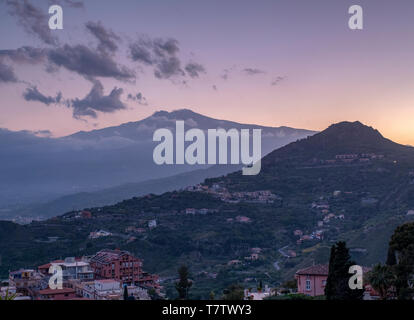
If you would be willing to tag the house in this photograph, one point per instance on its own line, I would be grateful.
(57, 294)
(233, 262)
(152, 224)
(298, 232)
(122, 266)
(26, 281)
(259, 295)
(72, 268)
(86, 214)
(291, 253)
(99, 234)
(311, 281)
(107, 289)
(252, 257)
(256, 250)
(190, 211)
(243, 219)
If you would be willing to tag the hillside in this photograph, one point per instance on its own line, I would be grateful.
(345, 183)
(40, 175)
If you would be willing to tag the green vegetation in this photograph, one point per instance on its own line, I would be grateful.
(337, 287)
(374, 199)
(183, 285)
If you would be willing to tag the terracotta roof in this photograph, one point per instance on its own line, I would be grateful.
(320, 269)
(56, 291)
(106, 256)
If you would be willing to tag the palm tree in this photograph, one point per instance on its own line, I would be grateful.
(381, 278)
(8, 296)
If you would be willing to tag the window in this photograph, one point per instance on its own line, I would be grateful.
(308, 285)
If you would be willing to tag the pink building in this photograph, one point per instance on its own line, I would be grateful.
(312, 280)
(122, 266)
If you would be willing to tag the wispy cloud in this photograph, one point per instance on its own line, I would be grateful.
(138, 98)
(33, 20)
(107, 38)
(33, 94)
(277, 80)
(253, 71)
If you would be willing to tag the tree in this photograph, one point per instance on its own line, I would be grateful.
(125, 292)
(381, 278)
(401, 253)
(8, 296)
(233, 292)
(337, 284)
(183, 285)
(212, 295)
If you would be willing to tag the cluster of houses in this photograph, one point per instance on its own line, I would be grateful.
(349, 158)
(254, 255)
(261, 196)
(315, 235)
(103, 276)
(200, 211)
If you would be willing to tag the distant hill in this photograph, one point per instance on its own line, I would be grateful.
(37, 170)
(340, 138)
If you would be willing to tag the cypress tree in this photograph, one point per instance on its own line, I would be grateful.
(337, 284)
(125, 292)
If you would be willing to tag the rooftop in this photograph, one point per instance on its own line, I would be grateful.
(320, 269)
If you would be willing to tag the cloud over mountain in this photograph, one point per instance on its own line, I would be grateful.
(97, 101)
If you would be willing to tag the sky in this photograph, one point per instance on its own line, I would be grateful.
(289, 62)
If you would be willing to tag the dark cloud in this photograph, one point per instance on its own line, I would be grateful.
(26, 54)
(168, 68)
(33, 94)
(33, 20)
(215, 87)
(253, 71)
(69, 3)
(138, 98)
(96, 101)
(80, 59)
(107, 38)
(194, 69)
(88, 63)
(277, 80)
(6, 73)
(162, 55)
(159, 53)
